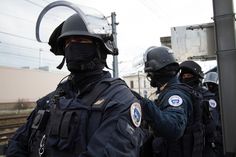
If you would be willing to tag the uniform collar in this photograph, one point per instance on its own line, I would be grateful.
(172, 81)
(90, 82)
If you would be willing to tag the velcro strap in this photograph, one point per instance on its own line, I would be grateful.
(67, 121)
(198, 144)
(187, 145)
(56, 119)
(65, 124)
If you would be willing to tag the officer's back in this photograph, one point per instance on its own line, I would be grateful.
(191, 74)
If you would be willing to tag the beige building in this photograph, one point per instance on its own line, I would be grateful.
(26, 84)
(139, 83)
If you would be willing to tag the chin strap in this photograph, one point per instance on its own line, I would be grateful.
(62, 63)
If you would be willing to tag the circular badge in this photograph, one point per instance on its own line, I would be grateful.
(212, 103)
(175, 100)
(136, 114)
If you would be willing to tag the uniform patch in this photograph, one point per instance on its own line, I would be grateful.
(212, 103)
(136, 114)
(99, 102)
(175, 100)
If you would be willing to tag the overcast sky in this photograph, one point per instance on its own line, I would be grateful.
(141, 22)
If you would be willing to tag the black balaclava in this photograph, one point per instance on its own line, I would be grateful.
(157, 80)
(193, 81)
(82, 57)
(161, 77)
(84, 63)
(86, 79)
(212, 87)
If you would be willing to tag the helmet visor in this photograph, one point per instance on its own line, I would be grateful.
(57, 12)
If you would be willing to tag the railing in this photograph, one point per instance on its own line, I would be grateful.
(9, 124)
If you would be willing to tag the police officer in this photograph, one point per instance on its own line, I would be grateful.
(191, 74)
(211, 82)
(168, 115)
(89, 114)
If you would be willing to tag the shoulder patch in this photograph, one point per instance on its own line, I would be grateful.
(212, 103)
(136, 114)
(175, 100)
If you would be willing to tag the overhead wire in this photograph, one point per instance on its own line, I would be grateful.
(29, 57)
(18, 36)
(17, 17)
(154, 11)
(26, 47)
(36, 4)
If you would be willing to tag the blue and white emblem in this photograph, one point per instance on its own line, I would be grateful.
(175, 100)
(212, 103)
(136, 114)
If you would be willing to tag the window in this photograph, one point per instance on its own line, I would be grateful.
(131, 84)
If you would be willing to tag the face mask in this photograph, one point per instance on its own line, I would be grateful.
(79, 55)
(212, 87)
(81, 52)
(190, 81)
(158, 80)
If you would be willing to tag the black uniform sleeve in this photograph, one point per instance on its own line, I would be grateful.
(168, 121)
(18, 144)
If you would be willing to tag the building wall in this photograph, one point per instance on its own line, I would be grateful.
(25, 84)
(28, 85)
(140, 85)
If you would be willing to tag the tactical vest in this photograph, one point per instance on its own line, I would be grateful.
(193, 140)
(63, 128)
(213, 132)
(191, 144)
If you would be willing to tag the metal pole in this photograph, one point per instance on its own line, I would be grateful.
(224, 21)
(114, 33)
(138, 83)
(40, 57)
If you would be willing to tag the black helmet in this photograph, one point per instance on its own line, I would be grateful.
(76, 26)
(192, 67)
(211, 77)
(86, 22)
(156, 58)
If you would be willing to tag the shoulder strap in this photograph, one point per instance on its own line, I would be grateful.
(194, 132)
(101, 87)
(99, 103)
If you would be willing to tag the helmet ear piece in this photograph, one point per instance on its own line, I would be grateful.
(53, 40)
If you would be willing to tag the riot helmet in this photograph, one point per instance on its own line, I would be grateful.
(160, 65)
(156, 58)
(192, 67)
(87, 24)
(211, 81)
(80, 55)
(192, 71)
(75, 26)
